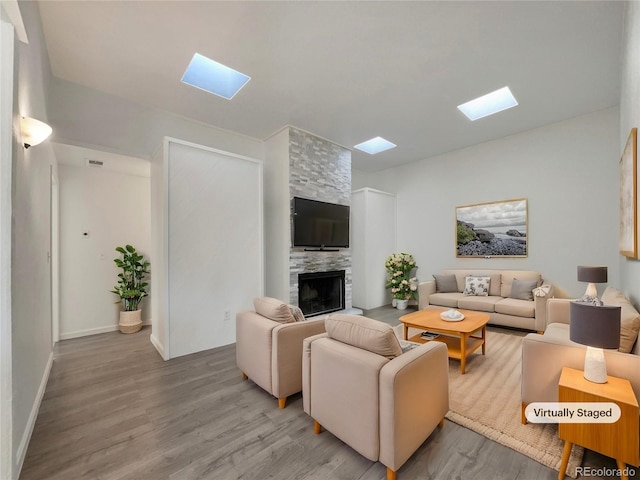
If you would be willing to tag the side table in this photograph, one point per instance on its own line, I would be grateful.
(617, 440)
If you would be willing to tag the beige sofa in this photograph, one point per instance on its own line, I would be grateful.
(269, 347)
(543, 356)
(502, 310)
(361, 387)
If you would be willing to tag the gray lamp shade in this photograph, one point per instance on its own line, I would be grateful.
(594, 326)
(592, 274)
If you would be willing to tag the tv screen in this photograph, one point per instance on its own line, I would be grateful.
(320, 224)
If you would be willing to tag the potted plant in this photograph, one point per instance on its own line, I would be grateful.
(403, 287)
(131, 287)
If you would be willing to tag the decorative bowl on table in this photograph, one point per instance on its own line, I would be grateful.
(451, 316)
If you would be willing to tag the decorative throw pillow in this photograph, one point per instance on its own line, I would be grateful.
(273, 309)
(362, 332)
(629, 317)
(446, 283)
(297, 313)
(494, 282)
(477, 286)
(523, 289)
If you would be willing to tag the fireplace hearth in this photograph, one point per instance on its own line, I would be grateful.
(321, 292)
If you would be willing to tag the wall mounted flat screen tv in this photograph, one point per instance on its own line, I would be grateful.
(320, 224)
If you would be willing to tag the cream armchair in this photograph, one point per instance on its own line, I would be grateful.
(269, 347)
(359, 386)
(543, 356)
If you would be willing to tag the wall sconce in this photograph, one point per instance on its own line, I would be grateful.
(34, 131)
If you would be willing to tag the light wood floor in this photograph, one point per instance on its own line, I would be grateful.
(113, 409)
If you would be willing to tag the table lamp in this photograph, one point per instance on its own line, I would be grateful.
(597, 327)
(592, 275)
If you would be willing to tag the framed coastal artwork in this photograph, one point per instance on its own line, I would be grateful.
(628, 197)
(496, 229)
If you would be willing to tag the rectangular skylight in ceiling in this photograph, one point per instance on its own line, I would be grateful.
(375, 145)
(489, 104)
(213, 77)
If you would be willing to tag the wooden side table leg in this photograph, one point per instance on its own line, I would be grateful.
(463, 352)
(484, 339)
(566, 453)
(406, 331)
(622, 467)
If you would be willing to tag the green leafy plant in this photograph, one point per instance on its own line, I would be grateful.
(399, 267)
(131, 287)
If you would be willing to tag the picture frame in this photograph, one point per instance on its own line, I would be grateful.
(493, 229)
(628, 238)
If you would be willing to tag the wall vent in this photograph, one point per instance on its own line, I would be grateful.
(94, 163)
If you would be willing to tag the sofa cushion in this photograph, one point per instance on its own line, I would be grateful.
(629, 317)
(494, 284)
(522, 289)
(518, 308)
(365, 333)
(446, 283)
(446, 299)
(273, 309)
(510, 275)
(461, 275)
(477, 286)
(481, 304)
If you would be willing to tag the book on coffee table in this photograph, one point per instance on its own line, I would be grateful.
(430, 335)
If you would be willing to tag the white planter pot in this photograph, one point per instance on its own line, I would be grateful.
(402, 304)
(130, 322)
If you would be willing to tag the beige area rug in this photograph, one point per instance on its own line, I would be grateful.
(487, 400)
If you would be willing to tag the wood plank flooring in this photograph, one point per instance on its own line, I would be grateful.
(114, 410)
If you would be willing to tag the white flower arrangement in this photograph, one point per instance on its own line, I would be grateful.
(399, 267)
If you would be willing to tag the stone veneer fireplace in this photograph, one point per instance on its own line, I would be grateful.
(321, 292)
(318, 170)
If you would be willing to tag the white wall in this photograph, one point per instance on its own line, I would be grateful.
(159, 248)
(277, 214)
(30, 276)
(7, 144)
(373, 239)
(630, 118)
(114, 208)
(212, 242)
(87, 117)
(569, 174)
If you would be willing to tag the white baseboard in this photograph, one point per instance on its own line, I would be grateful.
(89, 331)
(21, 452)
(159, 347)
(93, 331)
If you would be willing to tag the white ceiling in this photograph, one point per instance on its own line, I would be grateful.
(349, 71)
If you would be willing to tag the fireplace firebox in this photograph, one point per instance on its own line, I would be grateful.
(321, 292)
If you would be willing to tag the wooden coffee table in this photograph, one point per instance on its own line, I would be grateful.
(458, 336)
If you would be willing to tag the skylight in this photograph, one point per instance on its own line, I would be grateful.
(489, 104)
(375, 145)
(213, 77)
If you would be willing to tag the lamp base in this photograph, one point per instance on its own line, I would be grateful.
(595, 368)
(595, 301)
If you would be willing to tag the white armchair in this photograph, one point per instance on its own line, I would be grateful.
(358, 385)
(268, 351)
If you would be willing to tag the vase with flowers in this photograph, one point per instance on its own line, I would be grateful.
(403, 286)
